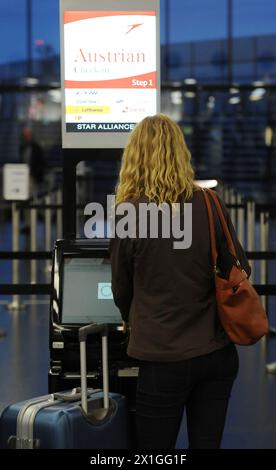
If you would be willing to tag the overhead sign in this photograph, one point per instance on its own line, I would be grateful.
(16, 182)
(110, 69)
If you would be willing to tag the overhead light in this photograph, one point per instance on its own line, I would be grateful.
(190, 81)
(211, 102)
(55, 84)
(257, 94)
(30, 81)
(55, 95)
(207, 183)
(176, 84)
(189, 94)
(176, 97)
(258, 83)
(233, 90)
(234, 100)
(268, 136)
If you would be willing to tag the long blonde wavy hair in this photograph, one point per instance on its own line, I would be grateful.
(156, 163)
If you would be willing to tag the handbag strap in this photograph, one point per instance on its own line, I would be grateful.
(231, 246)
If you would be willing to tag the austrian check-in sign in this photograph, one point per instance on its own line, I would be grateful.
(110, 69)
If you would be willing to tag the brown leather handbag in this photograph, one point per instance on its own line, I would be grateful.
(239, 307)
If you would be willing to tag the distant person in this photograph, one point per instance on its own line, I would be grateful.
(31, 153)
(167, 297)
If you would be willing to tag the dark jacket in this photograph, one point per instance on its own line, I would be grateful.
(168, 295)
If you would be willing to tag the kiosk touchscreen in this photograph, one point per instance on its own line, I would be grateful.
(86, 292)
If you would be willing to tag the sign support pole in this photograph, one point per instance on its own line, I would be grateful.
(71, 158)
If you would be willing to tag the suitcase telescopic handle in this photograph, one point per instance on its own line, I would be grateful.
(84, 332)
(92, 329)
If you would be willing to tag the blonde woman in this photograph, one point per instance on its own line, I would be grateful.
(166, 296)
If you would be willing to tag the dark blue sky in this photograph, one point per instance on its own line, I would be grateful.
(191, 20)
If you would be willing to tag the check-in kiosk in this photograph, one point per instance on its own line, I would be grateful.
(81, 294)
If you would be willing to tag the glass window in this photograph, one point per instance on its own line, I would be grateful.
(210, 74)
(13, 37)
(244, 49)
(244, 72)
(44, 38)
(254, 30)
(266, 57)
(163, 21)
(45, 28)
(194, 20)
(254, 17)
(197, 30)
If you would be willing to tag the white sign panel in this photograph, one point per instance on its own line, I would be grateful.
(110, 69)
(16, 182)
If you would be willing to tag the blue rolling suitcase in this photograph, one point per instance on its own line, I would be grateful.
(80, 419)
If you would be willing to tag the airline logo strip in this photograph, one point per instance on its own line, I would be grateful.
(110, 69)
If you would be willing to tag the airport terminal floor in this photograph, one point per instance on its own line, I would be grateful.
(24, 363)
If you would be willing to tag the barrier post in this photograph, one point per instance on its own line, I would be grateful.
(226, 195)
(251, 233)
(220, 191)
(240, 221)
(33, 243)
(233, 211)
(59, 214)
(15, 304)
(48, 229)
(264, 245)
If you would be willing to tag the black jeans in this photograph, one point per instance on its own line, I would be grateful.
(202, 384)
